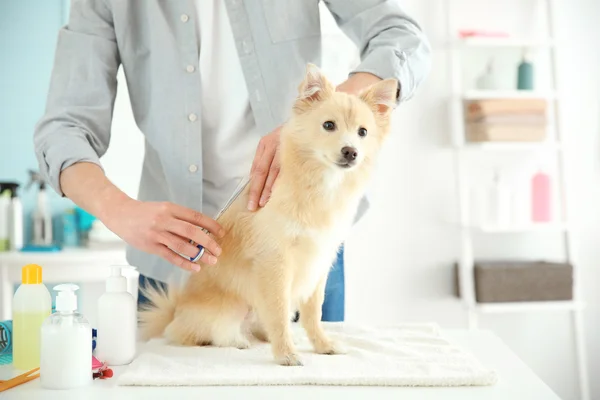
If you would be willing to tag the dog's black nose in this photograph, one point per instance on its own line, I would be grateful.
(349, 153)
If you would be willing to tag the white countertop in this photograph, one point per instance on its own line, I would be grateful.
(114, 253)
(516, 382)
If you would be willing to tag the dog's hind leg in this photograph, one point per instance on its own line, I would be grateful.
(217, 322)
(227, 324)
(224, 316)
(188, 328)
(255, 327)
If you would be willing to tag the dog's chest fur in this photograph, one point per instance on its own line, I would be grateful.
(313, 252)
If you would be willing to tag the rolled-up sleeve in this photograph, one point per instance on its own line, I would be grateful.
(76, 124)
(391, 43)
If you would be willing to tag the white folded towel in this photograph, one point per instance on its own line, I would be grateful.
(399, 355)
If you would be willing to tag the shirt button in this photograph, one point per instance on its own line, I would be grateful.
(192, 117)
(257, 95)
(190, 68)
(184, 18)
(246, 47)
(193, 168)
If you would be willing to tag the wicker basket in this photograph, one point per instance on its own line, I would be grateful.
(508, 281)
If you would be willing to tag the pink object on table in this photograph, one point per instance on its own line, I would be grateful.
(540, 198)
(96, 364)
(480, 33)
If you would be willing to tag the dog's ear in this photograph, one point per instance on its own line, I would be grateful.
(381, 96)
(314, 88)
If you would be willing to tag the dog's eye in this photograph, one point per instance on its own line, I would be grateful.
(362, 132)
(329, 125)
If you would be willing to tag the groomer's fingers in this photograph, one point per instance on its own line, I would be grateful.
(192, 249)
(208, 258)
(261, 167)
(178, 244)
(260, 149)
(259, 177)
(176, 259)
(198, 219)
(273, 174)
(192, 232)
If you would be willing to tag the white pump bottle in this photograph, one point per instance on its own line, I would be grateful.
(117, 322)
(66, 346)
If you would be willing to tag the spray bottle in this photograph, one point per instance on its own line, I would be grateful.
(11, 217)
(4, 217)
(42, 219)
(15, 217)
(66, 348)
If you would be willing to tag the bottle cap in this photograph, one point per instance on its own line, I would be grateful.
(31, 274)
(116, 282)
(9, 189)
(66, 299)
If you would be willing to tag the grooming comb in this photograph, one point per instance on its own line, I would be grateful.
(240, 188)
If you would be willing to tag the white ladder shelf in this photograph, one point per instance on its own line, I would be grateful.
(461, 149)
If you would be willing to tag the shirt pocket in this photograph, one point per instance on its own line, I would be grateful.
(292, 19)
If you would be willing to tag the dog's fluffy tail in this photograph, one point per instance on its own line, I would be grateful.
(158, 312)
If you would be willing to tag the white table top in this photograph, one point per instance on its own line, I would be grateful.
(516, 382)
(114, 253)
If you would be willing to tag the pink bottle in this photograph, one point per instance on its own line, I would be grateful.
(540, 198)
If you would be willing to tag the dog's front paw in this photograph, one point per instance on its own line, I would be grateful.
(289, 360)
(330, 347)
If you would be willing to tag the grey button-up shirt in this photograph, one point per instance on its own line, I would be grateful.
(155, 41)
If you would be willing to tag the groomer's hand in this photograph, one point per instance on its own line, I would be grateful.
(265, 169)
(165, 228)
(157, 228)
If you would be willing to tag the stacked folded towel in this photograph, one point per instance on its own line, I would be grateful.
(510, 120)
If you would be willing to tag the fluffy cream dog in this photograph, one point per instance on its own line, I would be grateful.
(277, 259)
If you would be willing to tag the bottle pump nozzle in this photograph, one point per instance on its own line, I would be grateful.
(66, 299)
(116, 282)
(36, 177)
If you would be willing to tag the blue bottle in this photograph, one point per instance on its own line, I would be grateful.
(525, 74)
(70, 235)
